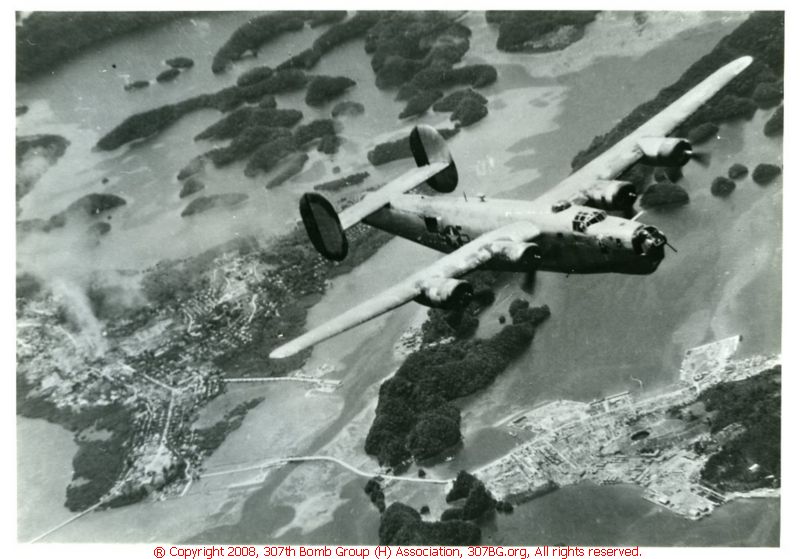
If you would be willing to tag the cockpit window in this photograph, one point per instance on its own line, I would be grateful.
(583, 220)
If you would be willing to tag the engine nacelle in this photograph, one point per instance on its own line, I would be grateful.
(665, 152)
(611, 196)
(445, 293)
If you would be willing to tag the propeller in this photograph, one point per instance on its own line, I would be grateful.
(702, 157)
(529, 282)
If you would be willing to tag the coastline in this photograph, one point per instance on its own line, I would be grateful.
(321, 510)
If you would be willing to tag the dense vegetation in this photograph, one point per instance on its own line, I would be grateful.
(538, 31)
(417, 52)
(51, 146)
(755, 404)
(209, 439)
(469, 111)
(252, 35)
(339, 184)
(478, 502)
(737, 171)
(702, 133)
(181, 62)
(765, 173)
(760, 36)
(347, 108)
(290, 166)
(402, 525)
(137, 84)
(664, 194)
(239, 120)
(451, 102)
(246, 142)
(148, 123)
(774, 126)
(192, 185)
(398, 149)
(168, 75)
(415, 417)
(206, 203)
(374, 490)
(322, 89)
(722, 187)
(420, 103)
(47, 39)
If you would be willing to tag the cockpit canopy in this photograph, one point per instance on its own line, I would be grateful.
(584, 219)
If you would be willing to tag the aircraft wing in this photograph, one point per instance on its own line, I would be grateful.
(626, 152)
(469, 257)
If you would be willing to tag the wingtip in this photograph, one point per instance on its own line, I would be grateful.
(744, 62)
(281, 353)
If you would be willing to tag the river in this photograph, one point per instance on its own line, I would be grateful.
(603, 329)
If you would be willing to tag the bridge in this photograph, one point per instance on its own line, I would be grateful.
(319, 458)
(308, 380)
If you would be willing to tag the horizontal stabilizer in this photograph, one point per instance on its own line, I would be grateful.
(377, 199)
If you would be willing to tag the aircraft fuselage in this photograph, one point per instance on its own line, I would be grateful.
(574, 239)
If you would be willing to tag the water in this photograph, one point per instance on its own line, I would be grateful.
(603, 330)
(44, 468)
(589, 514)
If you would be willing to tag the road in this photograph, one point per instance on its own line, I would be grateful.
(343, 464)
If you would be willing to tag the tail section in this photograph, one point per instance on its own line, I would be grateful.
(427, 145)
(323, 226)
(326, 228)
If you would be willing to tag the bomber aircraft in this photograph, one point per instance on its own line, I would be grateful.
(568, 229)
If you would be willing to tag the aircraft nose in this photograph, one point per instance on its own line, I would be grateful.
(649, 241)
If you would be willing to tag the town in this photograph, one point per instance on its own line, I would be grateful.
(622, 439)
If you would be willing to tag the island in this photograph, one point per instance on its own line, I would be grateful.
(765, 173)
(774, 126)
(339, 184)
(206, 203)
(737, 171)
(664, 195)
(722, 187)
(322, 89)
(539, 30)
(180, 62)
(168, 75)
(415, 417)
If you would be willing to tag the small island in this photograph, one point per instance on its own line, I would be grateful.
(168, 75)
(664, 195)
(702, 133)
(180, 62)
(191, 186)
(347, 108)
(737, 171)
(206, 203)
(342, 183)
(765, 173)
(538, 31)
(774, 126)
(135, 85)
(322, 89)
(722, 187)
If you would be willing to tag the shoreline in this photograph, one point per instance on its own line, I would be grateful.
(326, 295)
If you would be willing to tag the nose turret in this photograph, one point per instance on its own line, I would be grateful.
(649, 241)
